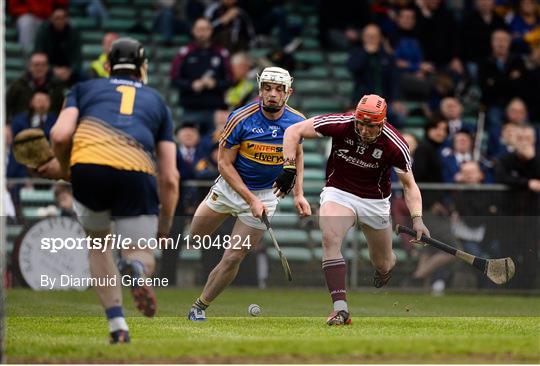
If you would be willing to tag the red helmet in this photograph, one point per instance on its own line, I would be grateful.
(371, 109)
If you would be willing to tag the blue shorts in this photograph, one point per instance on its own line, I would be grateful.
(122, 192)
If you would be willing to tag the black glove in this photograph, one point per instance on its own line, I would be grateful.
(285, 181)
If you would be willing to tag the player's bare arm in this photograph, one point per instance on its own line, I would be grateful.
(292, 152)
(168, 181)
(294, 134)
(413, 199)
(226, 168)
(300, 202)
(61, 140)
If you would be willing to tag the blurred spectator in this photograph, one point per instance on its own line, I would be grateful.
(340, 26)
(516, 114)
(427, 161)
(36, 78)
(201, 72)
(30, 14)
(521, 168)
(95, 9)
(372, 68)
(502, 77)
(98, 68)
(270, 14)
(438, 35)
(476, 34)
(175, 17)
(462, 152)
(504, 143)
(525, 26)
(62, 44)
(414, 71)
(452, 110)
(220, 119)
(38, 116)
(242, 89)
(472, 218)
(64, 199)
(532, 97)
(233, 28)
(189, 153)
(207, 167)
(521, 171)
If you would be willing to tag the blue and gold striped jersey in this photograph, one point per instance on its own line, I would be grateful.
(259, 142)
(120, 122)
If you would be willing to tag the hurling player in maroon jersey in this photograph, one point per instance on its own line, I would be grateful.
(365, 147)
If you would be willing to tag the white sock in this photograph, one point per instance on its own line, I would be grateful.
(341, 305)
(118, 323)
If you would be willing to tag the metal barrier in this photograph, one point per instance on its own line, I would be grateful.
(486, 220)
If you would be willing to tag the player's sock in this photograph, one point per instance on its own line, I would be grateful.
(335, 271)
(201, 303)
(115, 316)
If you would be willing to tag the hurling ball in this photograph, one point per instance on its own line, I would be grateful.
(254, 310)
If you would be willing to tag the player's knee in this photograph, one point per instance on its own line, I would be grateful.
(233, 257)
(331, 239)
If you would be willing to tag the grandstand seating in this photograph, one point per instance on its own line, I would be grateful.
(324, 86)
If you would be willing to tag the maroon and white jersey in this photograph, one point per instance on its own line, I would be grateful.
(358, 168)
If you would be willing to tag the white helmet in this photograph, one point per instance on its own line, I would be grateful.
(275, 75)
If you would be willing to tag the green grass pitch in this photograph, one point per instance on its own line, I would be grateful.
(388, 327)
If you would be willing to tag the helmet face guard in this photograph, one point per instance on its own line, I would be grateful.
(275, 75)
(370, 112)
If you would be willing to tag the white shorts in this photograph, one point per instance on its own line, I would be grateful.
(374, 213)
(134, 227)
(224, 199)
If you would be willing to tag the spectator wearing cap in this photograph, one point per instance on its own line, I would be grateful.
(201, 73)
(62, 44)
(98, 67)
(37, 78)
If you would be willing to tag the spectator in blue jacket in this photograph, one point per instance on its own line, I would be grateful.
(38, 116)
(415, 72)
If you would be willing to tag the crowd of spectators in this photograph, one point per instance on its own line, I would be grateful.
(433, 52)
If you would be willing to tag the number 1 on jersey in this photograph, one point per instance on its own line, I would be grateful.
(128, 98)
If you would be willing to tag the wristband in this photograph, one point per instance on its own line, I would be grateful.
(416, 214)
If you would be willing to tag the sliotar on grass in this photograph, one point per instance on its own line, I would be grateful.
(387, 327)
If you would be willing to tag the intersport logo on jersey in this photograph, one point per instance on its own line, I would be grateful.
(269, 154)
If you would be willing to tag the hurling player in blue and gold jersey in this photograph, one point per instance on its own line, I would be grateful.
(113, 139)
(250, 160)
